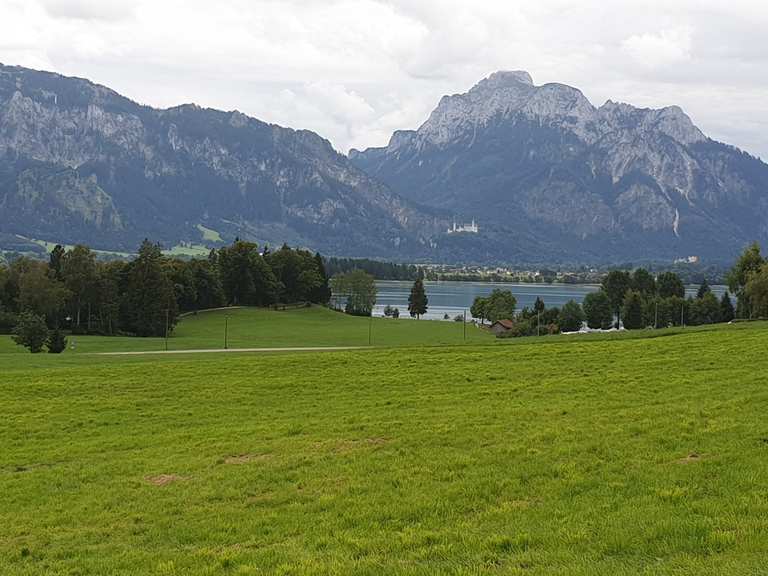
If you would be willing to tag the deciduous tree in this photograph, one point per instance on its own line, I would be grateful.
(632, 311)
(357, 290)
(597, 310)
(643, 282)
(704, 310)
(500, 305)
(478, 309)
(571, 317)
(615, 285)
(78, 270)
(748, 263)
(756, 291)
(40, 293)
(668, 284)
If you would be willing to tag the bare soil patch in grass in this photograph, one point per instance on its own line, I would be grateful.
(164, 479)
(691, 458)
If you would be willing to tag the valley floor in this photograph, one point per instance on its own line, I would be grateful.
(550, 456)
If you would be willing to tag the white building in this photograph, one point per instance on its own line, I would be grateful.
(468, 228)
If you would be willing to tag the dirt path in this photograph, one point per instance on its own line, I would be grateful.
(228, 350)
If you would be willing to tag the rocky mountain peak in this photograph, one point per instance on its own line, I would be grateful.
(671, 121)
(505, 79)
(541, 164)
(505, 95)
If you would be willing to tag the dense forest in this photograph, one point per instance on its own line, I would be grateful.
(144, 296)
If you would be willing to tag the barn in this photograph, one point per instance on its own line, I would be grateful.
(502, 327)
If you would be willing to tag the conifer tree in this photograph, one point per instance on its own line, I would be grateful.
(704, 289)
(31, 332)
(150, 298)
(57, 342)
(418, 301)
(54, 261)
(727, 313)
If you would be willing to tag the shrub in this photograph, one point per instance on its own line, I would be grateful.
(31, 332)
(57, 342)
(553, 329)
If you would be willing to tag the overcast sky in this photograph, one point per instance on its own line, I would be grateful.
(355, 70)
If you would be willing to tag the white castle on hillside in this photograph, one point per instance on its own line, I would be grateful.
(470, 228)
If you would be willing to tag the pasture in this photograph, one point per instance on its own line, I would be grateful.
(551, 456)
(260, 328)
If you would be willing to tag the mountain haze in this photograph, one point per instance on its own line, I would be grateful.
(548, 174)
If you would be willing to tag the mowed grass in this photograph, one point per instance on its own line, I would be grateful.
(627, 456)
(264, 328)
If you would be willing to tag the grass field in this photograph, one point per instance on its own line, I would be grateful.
(257, 327)
(551, 456)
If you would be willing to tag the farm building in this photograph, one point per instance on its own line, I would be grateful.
(502, 326)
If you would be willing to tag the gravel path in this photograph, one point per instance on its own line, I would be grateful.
(228, 350)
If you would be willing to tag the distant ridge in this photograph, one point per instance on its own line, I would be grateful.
(80, 163)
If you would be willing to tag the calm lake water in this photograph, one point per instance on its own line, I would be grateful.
(453, 298)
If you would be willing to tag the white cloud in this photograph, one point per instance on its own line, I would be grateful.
(355, 70)
(664, 48)
(89, 9)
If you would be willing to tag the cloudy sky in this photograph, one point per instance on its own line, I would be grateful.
(355, 70)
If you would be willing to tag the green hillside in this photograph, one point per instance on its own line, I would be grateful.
(550, 456)
(259, 327)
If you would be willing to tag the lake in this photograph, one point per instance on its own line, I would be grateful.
(453, 298)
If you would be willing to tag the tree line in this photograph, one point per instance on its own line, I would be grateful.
(145, 295)
(378, 269)
(637, 299)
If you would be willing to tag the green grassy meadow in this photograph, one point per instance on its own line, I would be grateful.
(622, 455)
(259, 328)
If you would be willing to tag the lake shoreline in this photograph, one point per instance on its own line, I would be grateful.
(455, 298)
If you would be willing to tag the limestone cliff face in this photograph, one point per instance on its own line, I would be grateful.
(547, 172)
(80, 163)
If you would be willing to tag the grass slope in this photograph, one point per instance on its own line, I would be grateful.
(258, 327)
(629, 456)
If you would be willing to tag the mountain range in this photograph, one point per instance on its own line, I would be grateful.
(80, 163)
(546, 176)
(546, 173)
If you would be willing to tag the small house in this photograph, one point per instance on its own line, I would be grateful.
(502, 327)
